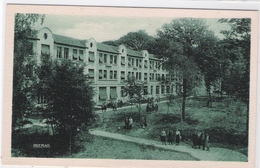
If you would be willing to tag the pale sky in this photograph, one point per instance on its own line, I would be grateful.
(103, 28)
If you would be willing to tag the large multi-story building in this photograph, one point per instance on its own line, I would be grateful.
(107, 66)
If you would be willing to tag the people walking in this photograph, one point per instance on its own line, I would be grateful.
(207, 141)
(130, 122)
(170, 137)
(195, 139)
(163, 137)
(126, 123)
(177, 137)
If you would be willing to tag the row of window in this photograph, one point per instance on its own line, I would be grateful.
(105, 58)
(42, 96)
(78, 54)
(112, 74)
(113, 91)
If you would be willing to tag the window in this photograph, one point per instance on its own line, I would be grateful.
(91, 57)
(42, 97)
(140, 76)
(105, 74)
(111, 59)
(100, 74)
(115, 60)
(151, 64)
(140, 63)
(145, 63)
(145, 90)
(111, 74)
(129, 62)
(91, 73)
(122, 60)
(66, 53)
(101, 59)
(115, 74)
(157, 89)
(45, 50)
(75, 54)
(163, 77)
(122, 91)
(133, 61)
(81, 55)
(151, 90)
(59, 52)
(168, 89)
(145, 76)
(122, 74)
(151, 76)
(136, 76)
(102, 93)
(137, 62)
(158, 77)
(113, 93)
(167, 77)
(105, 58)
(162, 88)
(45, 36)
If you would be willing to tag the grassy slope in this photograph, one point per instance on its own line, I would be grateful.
(223, 118)
(103, 148)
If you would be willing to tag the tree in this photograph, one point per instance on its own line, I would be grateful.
(178, 42)
(138, 41)
(23, 67)
(209, 59)
(69, 96)
(134, 89)
(237, 46)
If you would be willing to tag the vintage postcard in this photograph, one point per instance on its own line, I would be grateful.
(129, 87)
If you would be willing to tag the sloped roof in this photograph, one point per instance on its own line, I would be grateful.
(152, 56)
(69, 41)
(107, 48)
(134, 53)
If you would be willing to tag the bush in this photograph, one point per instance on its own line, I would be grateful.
(227, 136)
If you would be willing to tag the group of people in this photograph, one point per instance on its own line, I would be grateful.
(170, 136)
(114, 105)
(129, 122)
(200, 139)
(150, 107)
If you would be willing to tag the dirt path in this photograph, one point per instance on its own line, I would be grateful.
(215, 154)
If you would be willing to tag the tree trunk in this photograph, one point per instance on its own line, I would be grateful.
(184, 95)
(210, 98)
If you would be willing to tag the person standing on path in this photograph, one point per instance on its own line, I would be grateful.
(178, 137)
(163, 137)
(130, 122)
(207, 141)
(170, 137)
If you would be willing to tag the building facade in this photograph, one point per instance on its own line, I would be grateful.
(107, 66)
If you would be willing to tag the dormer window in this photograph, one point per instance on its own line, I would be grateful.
(91, 45)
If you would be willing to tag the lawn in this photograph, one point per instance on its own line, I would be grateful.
(225, 122)
(104, 148)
